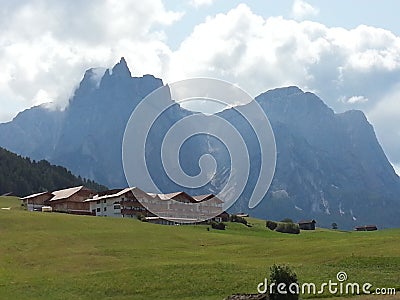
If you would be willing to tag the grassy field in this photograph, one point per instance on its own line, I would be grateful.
(58, 256)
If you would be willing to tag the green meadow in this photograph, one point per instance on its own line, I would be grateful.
(59, 256)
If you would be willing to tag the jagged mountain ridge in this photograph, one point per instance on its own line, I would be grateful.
(329, 166)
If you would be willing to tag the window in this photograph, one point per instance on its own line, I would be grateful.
(116, 206)
(104, 201)
(98, 209)
(105, 208)
(98, 201)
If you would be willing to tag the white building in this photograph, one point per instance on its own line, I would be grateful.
(109, 204)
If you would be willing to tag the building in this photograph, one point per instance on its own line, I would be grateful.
(366, 228)
(131, 207)
(172, 208)
(108, 204)
(307, 225)
(175, 208)
(36, 201)
(71, 200)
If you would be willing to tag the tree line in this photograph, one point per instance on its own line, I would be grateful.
(21, 176)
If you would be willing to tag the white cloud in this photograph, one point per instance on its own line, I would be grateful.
(385, 117)
(198, 3)
(356, 99)
(258, 54)
(301, 10)
(47, 45)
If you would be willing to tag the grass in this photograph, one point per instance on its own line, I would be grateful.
(59, 256)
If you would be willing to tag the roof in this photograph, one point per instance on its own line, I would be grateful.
(66, 193)
(35, 195)
(116, 194)
(171, 196)
(200, 198)
(307, 221)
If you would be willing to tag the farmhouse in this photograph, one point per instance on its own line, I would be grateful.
(36, 201)
(307, 225)
(71, 200)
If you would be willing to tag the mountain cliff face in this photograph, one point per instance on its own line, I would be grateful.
(329, 166)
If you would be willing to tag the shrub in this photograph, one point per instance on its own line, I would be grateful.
(334, 226)
(287, 220)
(237, 219)
(288, 228)
(271, 225)
(141, 217)
(282, 274)
(218, 225)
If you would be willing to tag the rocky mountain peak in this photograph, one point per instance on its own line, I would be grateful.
(121, 69)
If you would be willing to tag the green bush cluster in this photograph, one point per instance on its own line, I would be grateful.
(284, 227)
(271, 224)
(218, 225)
(288, 228)
(237, 219)
(141, 217)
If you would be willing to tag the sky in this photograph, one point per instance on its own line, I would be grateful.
(347, 52)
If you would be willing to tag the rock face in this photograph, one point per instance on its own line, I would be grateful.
(330, 167)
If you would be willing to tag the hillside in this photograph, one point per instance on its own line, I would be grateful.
(21, 176)
(59, 256)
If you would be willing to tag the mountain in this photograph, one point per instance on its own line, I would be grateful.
(329, 166)
(21, 176)
(86, 136)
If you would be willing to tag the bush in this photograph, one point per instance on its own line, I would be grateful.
(218, 225)
(288, 228)
(279, 275)
(236, 219)
(141, 217)
(287, 220)
(271, 225)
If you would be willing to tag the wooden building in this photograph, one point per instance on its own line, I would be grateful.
(307, 225)
(366, 228)
(36, 201)
(72, 200)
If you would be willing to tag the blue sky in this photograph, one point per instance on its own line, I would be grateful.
(347, 52)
